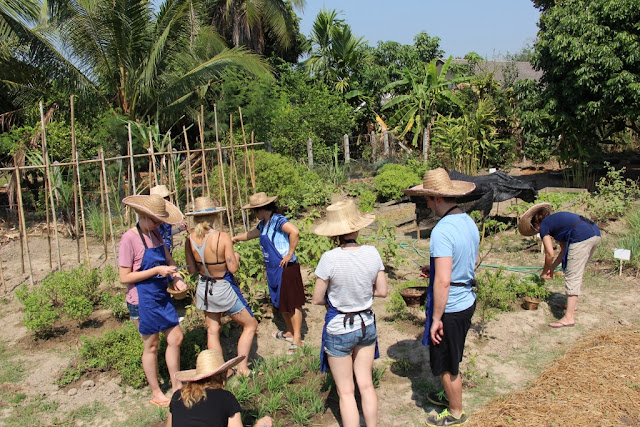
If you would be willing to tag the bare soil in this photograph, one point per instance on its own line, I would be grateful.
(503, 357)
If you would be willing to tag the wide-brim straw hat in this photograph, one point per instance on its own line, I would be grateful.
(205, 206)
(342, 218)
(156, 207)
(160, 190)
(436, 183)
(259, 199)
(524, 222)
(209, 362)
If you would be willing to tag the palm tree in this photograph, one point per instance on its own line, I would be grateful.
(144, 61)
(335, 51)
(417, 107)
(246, 21)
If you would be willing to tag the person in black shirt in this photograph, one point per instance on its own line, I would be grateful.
(203, 401)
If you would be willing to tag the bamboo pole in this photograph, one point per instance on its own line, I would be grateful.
(230, 207)
(234, 170)
(152, 163)
(253, 164)
(188, 168)
(132, 182)
(106, 193)
(246, 158)
(84, 225)
(74, 157)
(48, 173)
(222, 179)
(20, 229)
(104, 213)
(22, 221)
(205, 170)
(172, 176)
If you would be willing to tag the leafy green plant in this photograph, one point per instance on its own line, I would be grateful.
(69, 293)
(366, 201)
(631, 239)
(613, 196)
(393, 178)
(116, 304)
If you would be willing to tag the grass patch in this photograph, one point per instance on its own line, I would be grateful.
(32, 411)
(10, 371)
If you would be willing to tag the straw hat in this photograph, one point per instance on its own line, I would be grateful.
(258, 200)
(524, 222)
(155, 206)
(205, 206)
(436, 182)
(342, 218)
(176, 294)
(208, 363)
(160, 190)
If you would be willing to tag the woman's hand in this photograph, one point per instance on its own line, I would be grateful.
(285, 260)
(165, 270)
(264, 422)
(425, 270)
(179, 284)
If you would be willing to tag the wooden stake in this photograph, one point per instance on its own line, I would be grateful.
(222, 179)
(234, 170)
(132, 177)
(188, 168)
(51, 200)
(20, 229)
(103, 207)
(106, 195)
(172, 176)
(152, 163)
(74, 157)
(253, 165)
(205, 170)
(84, 225)
(246, 158)
(4, 284)
(22, 221)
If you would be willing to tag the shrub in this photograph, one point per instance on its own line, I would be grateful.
(366, 201)
(613, 197)
(393, 178)
(116, 304)
(631, 239)
(69, 293)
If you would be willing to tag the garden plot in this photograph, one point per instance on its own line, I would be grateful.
(512, 351)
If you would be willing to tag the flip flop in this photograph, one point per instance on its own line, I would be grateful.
(293, 348)
(234, 371)
(560, 325)
(163, 404)
(280, 336)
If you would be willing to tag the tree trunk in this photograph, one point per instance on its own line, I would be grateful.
(426, 142)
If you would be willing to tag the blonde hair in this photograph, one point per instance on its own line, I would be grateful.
(202, 225)
(193, 392)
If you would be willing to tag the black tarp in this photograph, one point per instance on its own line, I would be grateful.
(495, 187)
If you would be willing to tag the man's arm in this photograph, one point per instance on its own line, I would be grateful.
(441, 284)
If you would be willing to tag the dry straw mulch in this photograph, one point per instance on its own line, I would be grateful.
(597, 383)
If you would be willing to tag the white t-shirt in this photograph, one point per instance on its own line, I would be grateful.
(351, 274)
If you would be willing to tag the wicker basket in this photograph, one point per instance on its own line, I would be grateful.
(531, 303)
(414, 296)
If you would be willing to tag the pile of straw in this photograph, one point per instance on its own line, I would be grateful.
(597, 383)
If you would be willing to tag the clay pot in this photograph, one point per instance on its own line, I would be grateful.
(414, 296)
(531, 303)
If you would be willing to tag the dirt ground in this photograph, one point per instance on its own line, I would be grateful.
(513, 351)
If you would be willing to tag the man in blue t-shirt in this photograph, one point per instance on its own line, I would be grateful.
(454, 250)
(578, 237)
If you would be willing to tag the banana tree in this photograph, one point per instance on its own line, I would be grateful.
(416, 99)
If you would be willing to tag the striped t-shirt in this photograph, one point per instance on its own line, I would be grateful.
(280, 239)
(351, 275)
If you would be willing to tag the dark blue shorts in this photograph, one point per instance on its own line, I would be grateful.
(133, 311)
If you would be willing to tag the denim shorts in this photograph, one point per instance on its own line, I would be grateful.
(133, 311)
(237, 308)
(342, 345)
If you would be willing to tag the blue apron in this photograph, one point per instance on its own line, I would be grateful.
(232, 280)
(272, 260)
(331, 313)
(426, 336)
(157, 313)
(167, 237)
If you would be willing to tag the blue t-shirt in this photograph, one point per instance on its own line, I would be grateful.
(456, 236)
(280, 239)
(567, 227)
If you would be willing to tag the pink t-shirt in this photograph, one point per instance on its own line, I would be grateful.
(130, 254)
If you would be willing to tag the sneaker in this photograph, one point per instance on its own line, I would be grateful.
(439, 398)
(445, 418)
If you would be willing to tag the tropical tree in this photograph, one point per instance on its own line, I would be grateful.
(416, 106)
(142, 61)
(335, 52)
(249, 22)
(588, 52)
